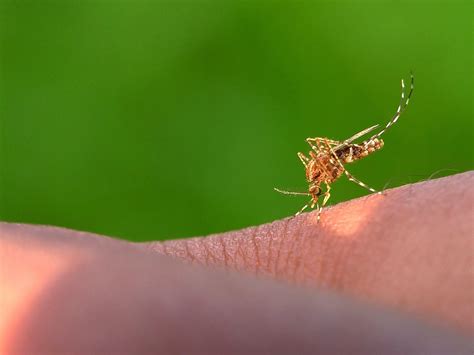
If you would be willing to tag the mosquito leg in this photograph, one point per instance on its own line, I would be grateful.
(318, 141)
(310, 142)
(401, 106)
(304, 159)
(326, 144)
(319, 209)
(325, 200)
(301, 210)
(358, 182)
(327, 194)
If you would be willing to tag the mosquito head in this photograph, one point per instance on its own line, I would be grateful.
(314, 189)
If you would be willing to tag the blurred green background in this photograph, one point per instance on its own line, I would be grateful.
(165, 119)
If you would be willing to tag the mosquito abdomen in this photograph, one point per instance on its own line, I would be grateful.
(355, 152)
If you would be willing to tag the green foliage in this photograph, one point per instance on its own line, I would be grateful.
(164, 119)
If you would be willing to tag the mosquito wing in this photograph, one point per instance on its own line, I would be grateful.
(354, 137)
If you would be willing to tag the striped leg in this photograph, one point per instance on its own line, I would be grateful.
(318, 141)
(304, 159)
(358, 182)
(401, 106)
(304, 207)
(327, 195)
(319, 208)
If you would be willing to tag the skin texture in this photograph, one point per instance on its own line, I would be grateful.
(411, 249)
(381, 274)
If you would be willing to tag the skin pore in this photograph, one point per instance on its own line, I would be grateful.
(379, 274)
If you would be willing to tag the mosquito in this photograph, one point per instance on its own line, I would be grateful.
(327, 157)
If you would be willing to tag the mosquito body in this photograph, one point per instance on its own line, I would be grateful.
(327, 157)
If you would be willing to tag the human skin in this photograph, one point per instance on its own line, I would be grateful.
(386, 273)
(411, 248)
